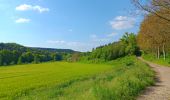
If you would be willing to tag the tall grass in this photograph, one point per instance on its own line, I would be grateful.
(161, 61)
(124, 81)
(22, 80)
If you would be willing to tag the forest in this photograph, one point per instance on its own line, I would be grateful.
(12, 53)
(126, 46)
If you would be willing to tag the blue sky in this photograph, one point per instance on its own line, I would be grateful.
(70, 24)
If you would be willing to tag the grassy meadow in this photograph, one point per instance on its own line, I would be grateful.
(121, 79)
(161, 61)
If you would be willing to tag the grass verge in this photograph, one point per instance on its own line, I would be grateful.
(161, 61)
(123, 82)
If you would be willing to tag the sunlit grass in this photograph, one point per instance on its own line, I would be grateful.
(160, 61)
(122, 79)
(21, 79)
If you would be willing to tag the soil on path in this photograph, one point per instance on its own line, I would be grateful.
(161, 90)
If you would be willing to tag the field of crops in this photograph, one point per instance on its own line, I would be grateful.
(120, 79)
(19, 80)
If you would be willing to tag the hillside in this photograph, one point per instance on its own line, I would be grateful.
(53, 50)
(15, 46)
(12, 53)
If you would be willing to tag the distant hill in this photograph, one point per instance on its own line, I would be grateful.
(12, 53)
(54, 50)
(18, 47)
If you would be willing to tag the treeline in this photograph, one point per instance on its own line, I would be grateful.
(12, 53)
(17, 47)
(127, 45)
(154, 34)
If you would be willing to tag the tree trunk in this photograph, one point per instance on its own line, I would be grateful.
(158, 56)
(164, 53)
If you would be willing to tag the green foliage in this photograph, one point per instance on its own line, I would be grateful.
(7, 57)
(109, 52)
(114, 81)
(154, 39)
(23, 80)
(129, 39)
(161, 61)
(126, 46)
(75, 57)
(11, 54)
(20, 48)
(20, 60)
(36, 59)
(27, 57)
(56, 57)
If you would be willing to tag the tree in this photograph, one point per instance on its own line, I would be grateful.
(20, 60)
(129, 39)
(156, 34)
(160, 8)
(56, 57)
(27, 57)
(12, 53)
(36, 59)
(125, 46)
(75, 57)
(6, 57)
(16, 55)
(1, 60)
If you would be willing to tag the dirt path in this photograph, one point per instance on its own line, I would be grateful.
(161, 90)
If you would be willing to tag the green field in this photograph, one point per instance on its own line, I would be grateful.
(161, 61)
(120, 79)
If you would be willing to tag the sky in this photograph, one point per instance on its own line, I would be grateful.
(68, 24)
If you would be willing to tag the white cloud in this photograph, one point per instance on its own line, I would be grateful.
(95, 38)
(22, 20)
(25, 7)
(122, 22)
(40, 9)
(111, 35)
